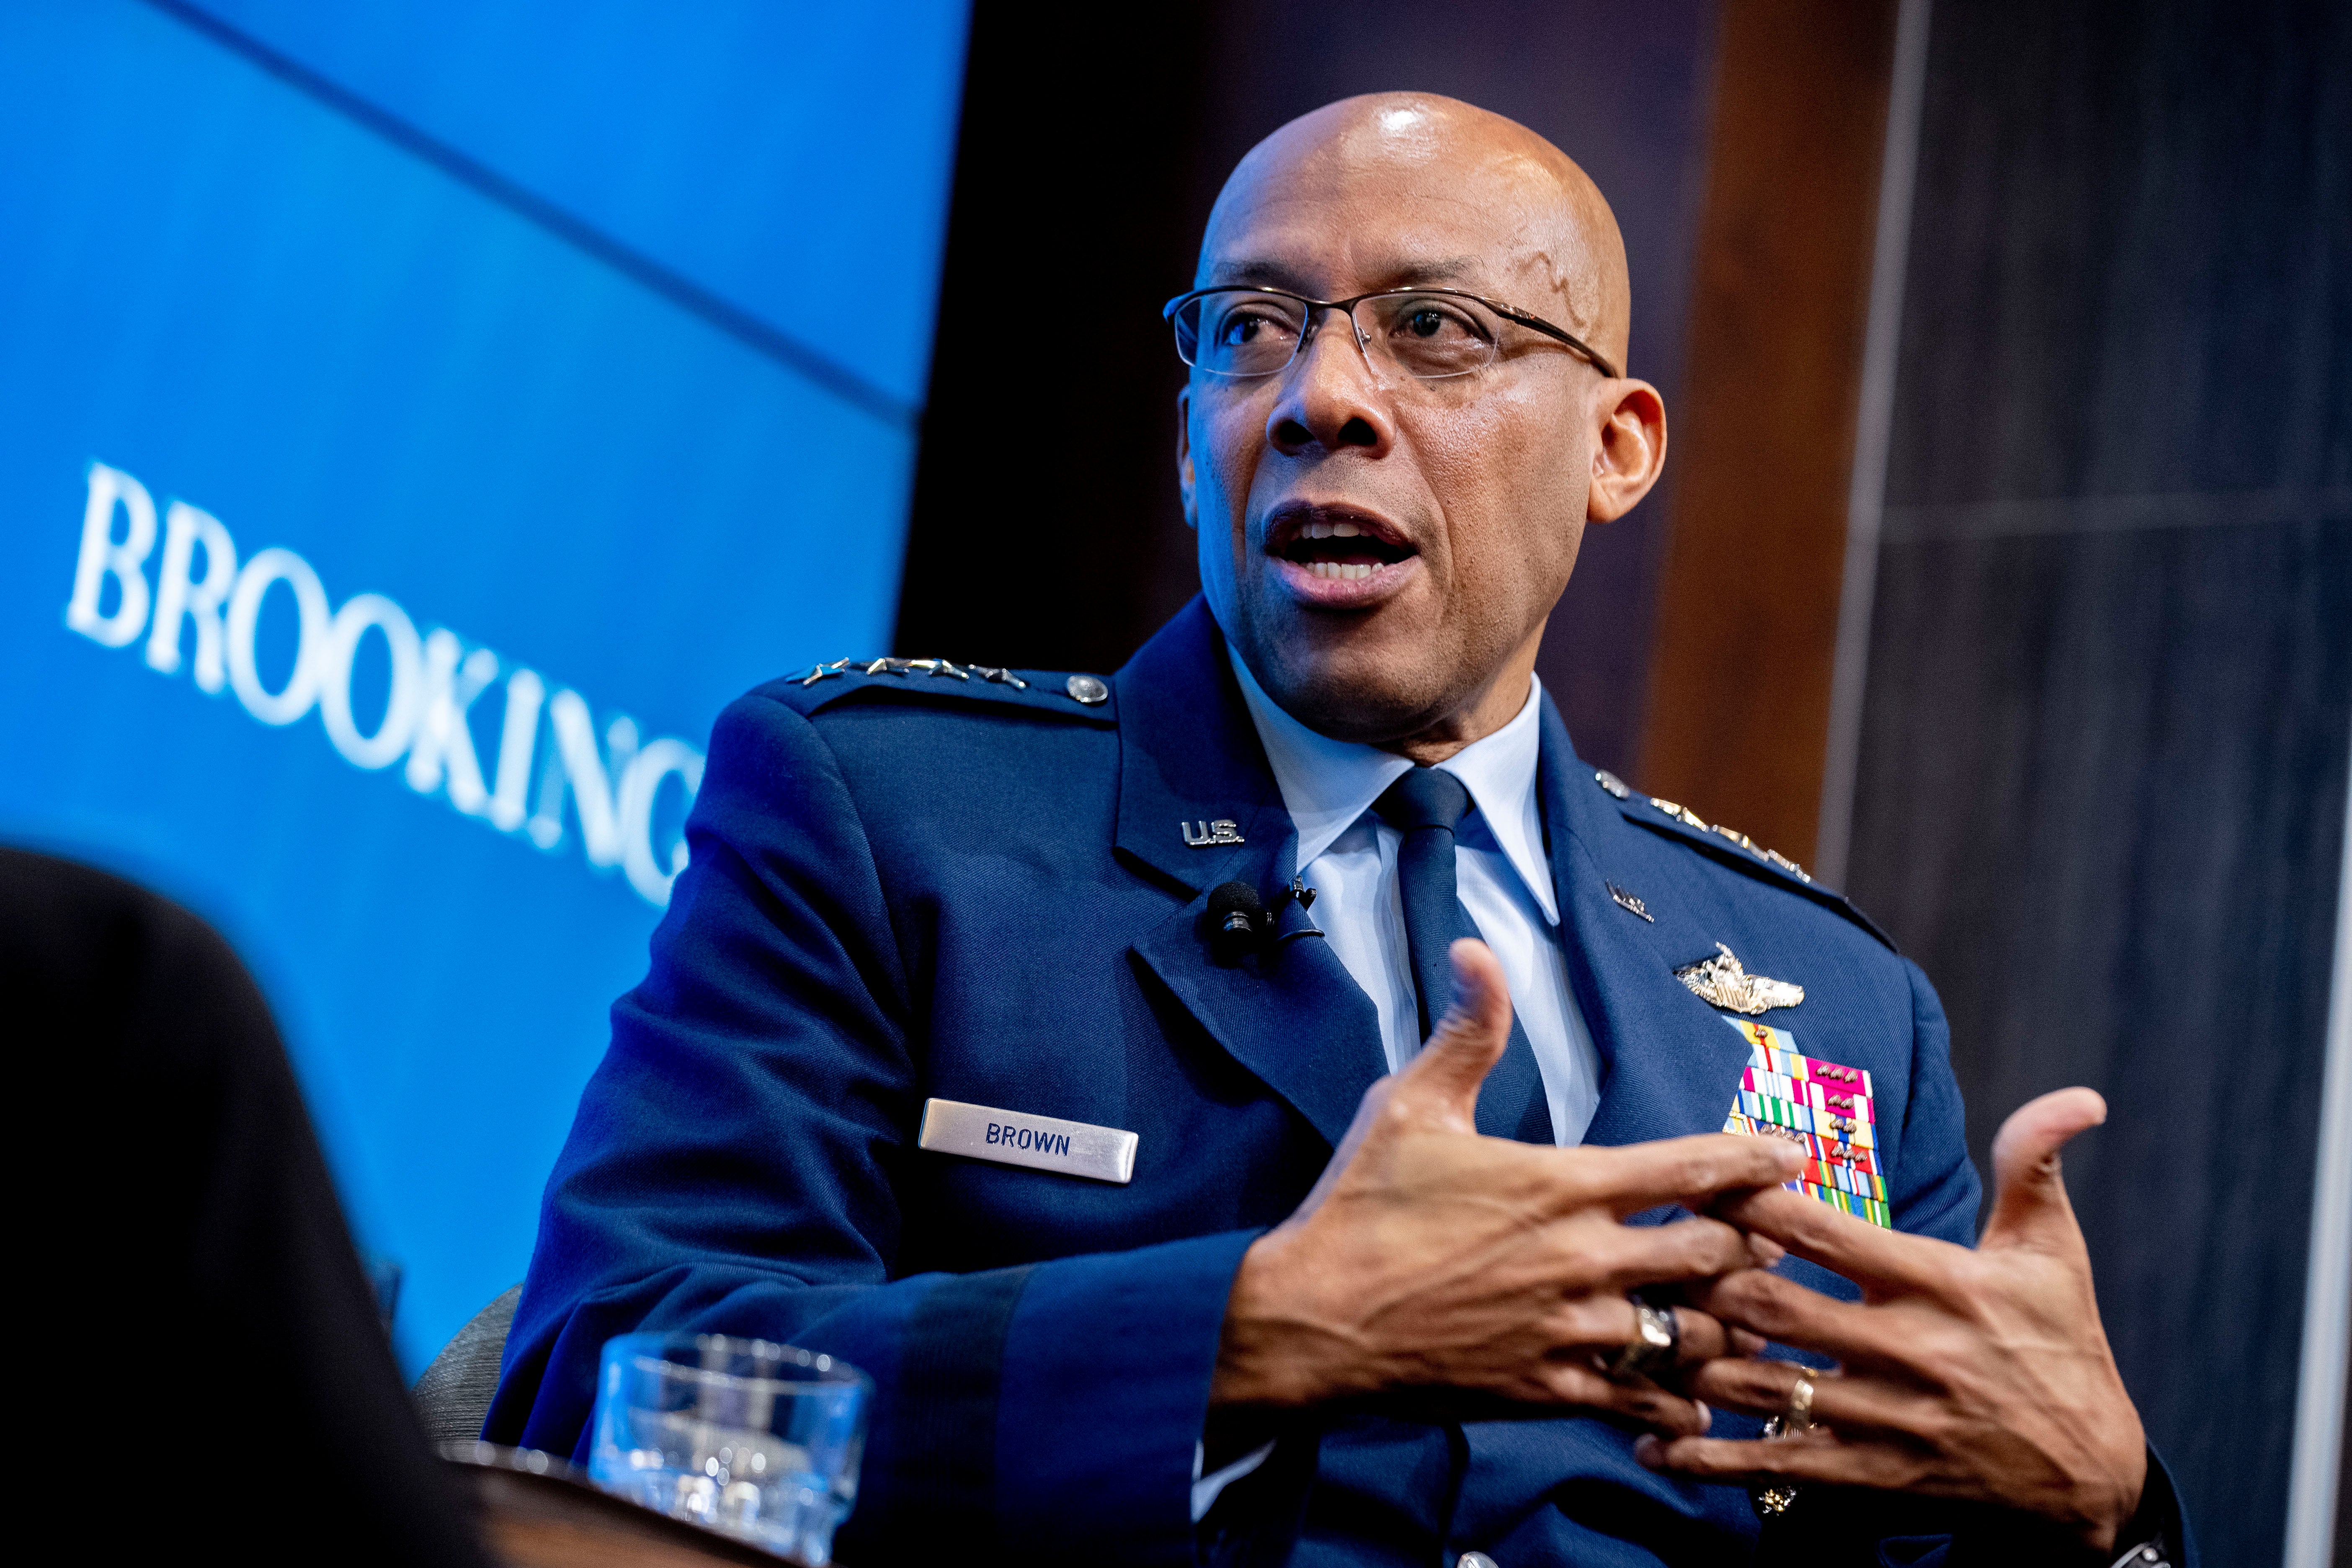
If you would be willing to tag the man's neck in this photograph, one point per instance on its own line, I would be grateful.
(1495, 704)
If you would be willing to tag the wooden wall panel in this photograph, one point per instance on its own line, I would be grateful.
(1738, 713)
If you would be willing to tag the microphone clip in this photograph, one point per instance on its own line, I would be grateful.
(1241, 924)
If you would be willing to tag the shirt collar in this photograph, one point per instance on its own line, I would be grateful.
(1328, 784)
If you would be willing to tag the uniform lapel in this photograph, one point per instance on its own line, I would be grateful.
(1669, 1065)
(1189, 756)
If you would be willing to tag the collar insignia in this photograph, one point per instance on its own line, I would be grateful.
(1631, 903)
(1721, 982)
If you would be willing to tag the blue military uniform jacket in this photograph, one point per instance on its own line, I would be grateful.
(917, 882)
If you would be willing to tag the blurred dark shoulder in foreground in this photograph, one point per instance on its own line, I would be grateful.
(210, 1357)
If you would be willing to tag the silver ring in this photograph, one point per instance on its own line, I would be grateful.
(1656, 1337)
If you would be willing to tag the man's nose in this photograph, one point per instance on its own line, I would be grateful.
(1329, 398)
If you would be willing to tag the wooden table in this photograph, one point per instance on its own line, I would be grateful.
(536, 1512)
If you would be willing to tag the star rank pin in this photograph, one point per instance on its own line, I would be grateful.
(1085, 690)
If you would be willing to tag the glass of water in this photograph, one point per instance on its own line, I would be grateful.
(758, 1440)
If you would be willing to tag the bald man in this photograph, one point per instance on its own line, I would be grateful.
(1277, 1102)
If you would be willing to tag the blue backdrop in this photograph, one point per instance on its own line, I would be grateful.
(416, 421)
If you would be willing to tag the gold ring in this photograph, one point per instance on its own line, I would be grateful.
(1800, 1406)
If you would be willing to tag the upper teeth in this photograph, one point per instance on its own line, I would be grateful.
(1320, 530)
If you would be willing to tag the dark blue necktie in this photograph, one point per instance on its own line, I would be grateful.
(1426, 806)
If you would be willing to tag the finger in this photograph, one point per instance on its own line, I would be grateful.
(1640, 1176)
(1699, 1337)
(1628, 1258)
(1863, 1252)
(1784, 1310)
(1817, 1457)
(1847, 1403)
(2029, 1204)
(1636, 1399)
(1440, 1085)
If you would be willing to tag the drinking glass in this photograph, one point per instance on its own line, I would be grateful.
(758, 1440)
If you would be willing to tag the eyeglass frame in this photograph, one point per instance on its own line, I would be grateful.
(1315, 308)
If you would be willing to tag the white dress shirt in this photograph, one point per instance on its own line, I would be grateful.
(1349, 855)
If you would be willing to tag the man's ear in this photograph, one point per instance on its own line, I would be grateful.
(1629, 448)
(1184, 455)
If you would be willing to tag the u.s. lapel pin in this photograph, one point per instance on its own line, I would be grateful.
(1210, 835)
(1721, 982)
(1631, 903)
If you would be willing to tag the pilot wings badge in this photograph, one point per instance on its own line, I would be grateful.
(1721, 983)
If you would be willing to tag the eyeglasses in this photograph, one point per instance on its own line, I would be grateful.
(1426, 333)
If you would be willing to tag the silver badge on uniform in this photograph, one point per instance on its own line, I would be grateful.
(1039, 1142)
(1721, 982)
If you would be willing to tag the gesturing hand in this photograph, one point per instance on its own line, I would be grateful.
(1429, 1256)
(1982, 1375)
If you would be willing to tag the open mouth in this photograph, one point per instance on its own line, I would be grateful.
(1336, 543)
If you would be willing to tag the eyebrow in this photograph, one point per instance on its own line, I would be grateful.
(1266, 273)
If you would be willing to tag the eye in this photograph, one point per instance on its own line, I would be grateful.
(1245, 325)
(1431, 321)
(1435, 335)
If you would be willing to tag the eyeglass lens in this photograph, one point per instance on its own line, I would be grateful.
(1240, 333)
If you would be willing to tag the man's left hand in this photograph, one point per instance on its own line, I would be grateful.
(1982, 1375)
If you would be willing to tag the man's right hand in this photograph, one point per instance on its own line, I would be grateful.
(1428, 1255)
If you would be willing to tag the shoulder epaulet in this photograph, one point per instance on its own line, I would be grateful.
(1664, 816)
(1073, 696)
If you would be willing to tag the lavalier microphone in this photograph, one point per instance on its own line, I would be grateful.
(1238, 921)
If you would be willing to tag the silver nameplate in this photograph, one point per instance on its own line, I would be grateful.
(1039, 1142)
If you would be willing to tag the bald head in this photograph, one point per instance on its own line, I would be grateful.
(1387, 515)
(1417, 155)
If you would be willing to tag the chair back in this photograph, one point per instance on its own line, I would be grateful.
(454, 1394)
